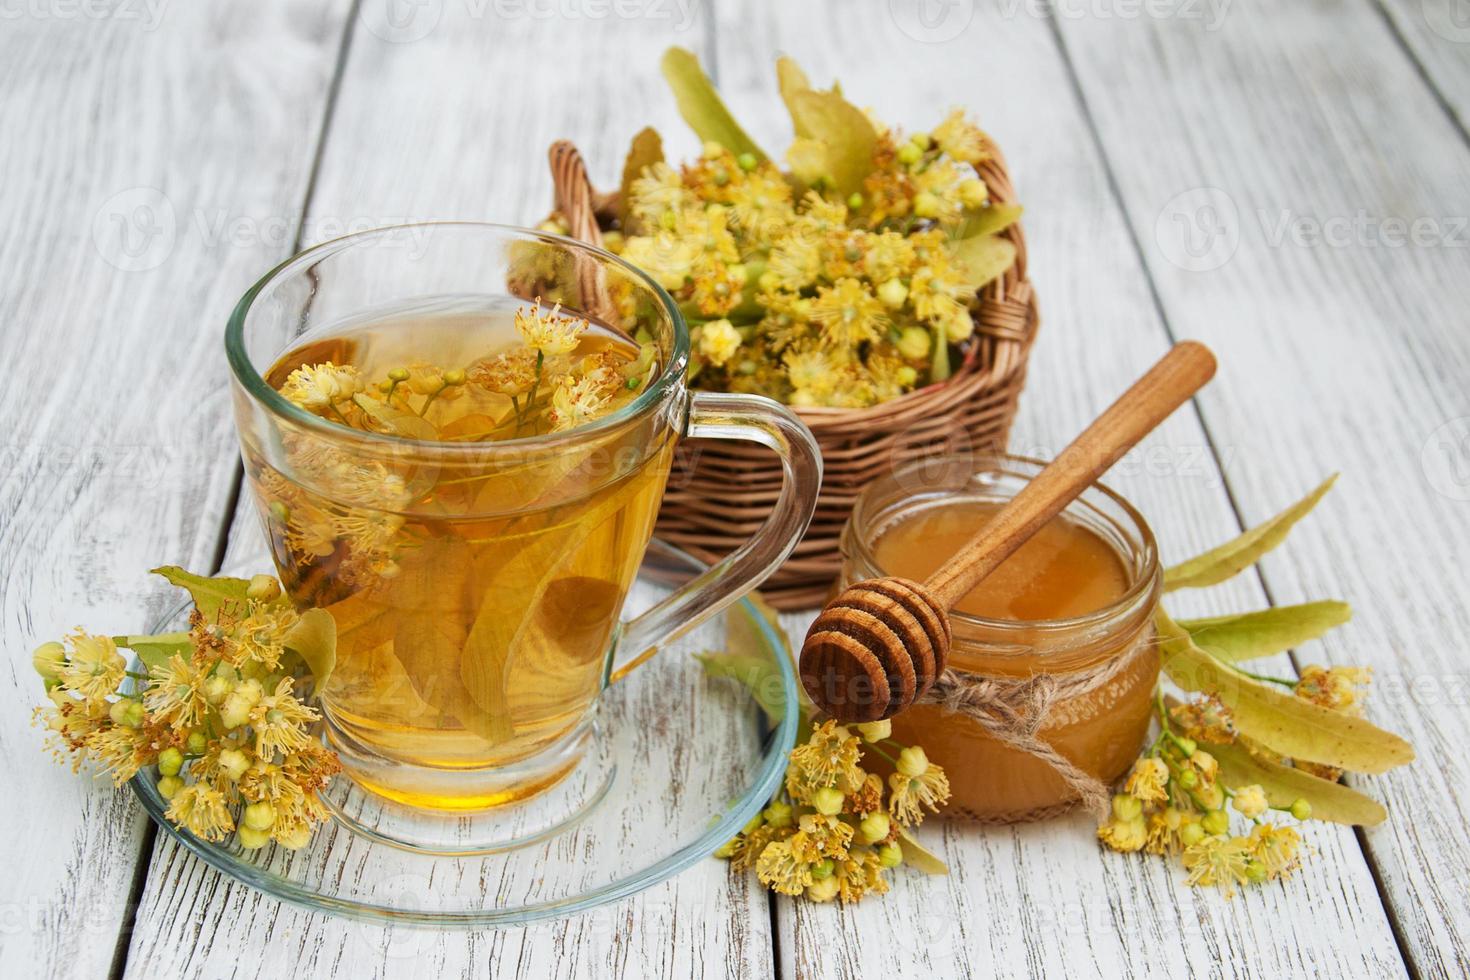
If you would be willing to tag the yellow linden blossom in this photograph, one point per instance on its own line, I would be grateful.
(709, 231)
(918, 782)
(121, 751)
(1205, 719)
(828, 759)
(1276, 848)
(511, 373)
(319, 387)
(860, 874)
(576, 401)
(848, 314)
(820, 836)
(1124, 835)
(889, 256)
(176, 695)
(260, 635)
(780, 869)
(718, 341)
(815, 372)
(551, 333)
(1250, 801)
(665, 256)
(202, 811)
(72, 721)
(794, 264)
(280, 722)
(1163, 830)
(1218, 861)
(961, 139)
(1149, 780)
(661, 189)
(717, 286)
(1338, 688)
(94, 668)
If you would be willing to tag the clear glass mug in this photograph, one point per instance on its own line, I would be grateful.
(477, 587)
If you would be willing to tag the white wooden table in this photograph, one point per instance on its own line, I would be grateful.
(1287, 181)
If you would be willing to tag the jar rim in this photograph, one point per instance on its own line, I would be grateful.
(1145, 555)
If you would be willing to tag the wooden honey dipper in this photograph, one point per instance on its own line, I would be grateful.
(879, 646)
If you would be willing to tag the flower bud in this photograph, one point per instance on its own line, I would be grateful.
(217, 688)
(168, 786)
(875, 731)
(1127, 807)
(912, 762)
(823, 889)
(118, 712)
(264, 588)
(1301, 809)
(915, 343)
(196, 743)
(909, 154)
(823, 869)
(893, 293)
(233, 763)
(890, 855)
(854, 200)
(170, 761)
(727, 850)
(250, 838)
(747, 161)
(1191, 833)
(779, 814)
(875, 827)
(973, 193)
(1255, 872)
(1250, 801)
(927, 205)
(1216, 822)
(235, 711)
(48, 659)
(827, 801)
(259, 816)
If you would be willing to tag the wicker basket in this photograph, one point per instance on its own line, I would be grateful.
(720, 492)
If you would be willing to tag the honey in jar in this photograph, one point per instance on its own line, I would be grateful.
(1075, 600)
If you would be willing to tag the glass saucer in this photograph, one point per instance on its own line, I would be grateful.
(681, 760)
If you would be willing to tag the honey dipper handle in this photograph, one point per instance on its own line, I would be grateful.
(1152, 398)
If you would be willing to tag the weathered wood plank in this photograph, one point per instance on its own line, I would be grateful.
(1437, 34)
(1044, 900)
(454, 122)
(1328, 269)
(133, 133)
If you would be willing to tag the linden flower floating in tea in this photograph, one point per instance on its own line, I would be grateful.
(843, 282)
(218, 715)
(836, 828)
(1248, 744)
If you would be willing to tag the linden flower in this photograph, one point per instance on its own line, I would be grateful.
(1338, 688)
(72, 721)
(794, 263)
(821, 837)
(779, 869)
(961, 139)
(859, 874)
(120, 750)
(175, 695)
(828, 759)
(718, 341)
(1276, 848)
(660, 189)
(1250, 801)
(1125, 835)
(551, 333)
(259, 636)
(280, 722)
(918, 782)
(664, 256)
(1206, 719)
(889, 256)
(318, 387)
(1217, 861)
(575, 401)
(511, 373)
(1163, 830)
(848, 314)
(1149, 780)
(202, 810)
(94, 668)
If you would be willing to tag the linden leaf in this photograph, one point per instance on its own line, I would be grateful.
(756, 673)
(1235, 556)
(314, 638)
(395, 421)
(1246, 636)
(982, 258)
(701, 107)
(646, 150)
(1278, 720)
(918, 856)
(988, 220)
(209, 594)
(844, 131)
(1284, 785)
(156, 650)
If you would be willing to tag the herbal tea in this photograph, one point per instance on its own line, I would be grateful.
(475, 585)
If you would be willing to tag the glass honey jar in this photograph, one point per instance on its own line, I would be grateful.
(1075, 602)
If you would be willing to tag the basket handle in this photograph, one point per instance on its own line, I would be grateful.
(575, 198)
(750, 418)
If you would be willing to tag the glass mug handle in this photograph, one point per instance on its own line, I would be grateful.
(750, 418)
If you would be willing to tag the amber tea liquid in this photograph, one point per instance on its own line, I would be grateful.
(475, 596)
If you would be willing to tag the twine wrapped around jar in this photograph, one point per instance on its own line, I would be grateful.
(1014, 710)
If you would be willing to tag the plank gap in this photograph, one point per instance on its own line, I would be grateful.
(1420, 69)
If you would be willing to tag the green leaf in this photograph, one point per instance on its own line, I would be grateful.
(988, 220)
(844, 131)
(701, 107)
(919, 856)
(1278, 720)
(983, 258)
(314, 638)
(757, 673)
(209, 594)
(1332, 802)
(156, 650)
(1235, 556)
(1246, 636)
(646, 150)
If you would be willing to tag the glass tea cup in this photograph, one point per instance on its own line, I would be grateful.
(477, 586)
